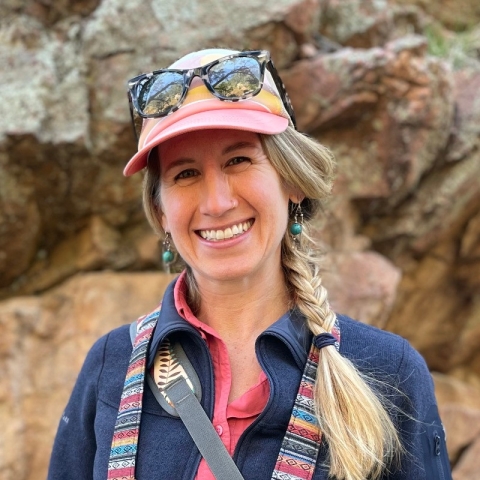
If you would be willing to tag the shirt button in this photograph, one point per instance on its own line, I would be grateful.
(219, 430)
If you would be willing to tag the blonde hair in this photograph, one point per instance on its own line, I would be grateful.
(362, 438)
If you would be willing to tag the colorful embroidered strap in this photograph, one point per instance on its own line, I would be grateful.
(121, 465)
(299, 452)
(297, 457)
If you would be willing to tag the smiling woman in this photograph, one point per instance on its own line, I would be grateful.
(278, 386)
(211, 182)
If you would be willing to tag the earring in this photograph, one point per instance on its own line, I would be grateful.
(297, 225)
(167, 256)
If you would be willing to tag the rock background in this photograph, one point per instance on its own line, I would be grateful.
(391, 87)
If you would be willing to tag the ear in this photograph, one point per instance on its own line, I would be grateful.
(164, 223)
(296, 195)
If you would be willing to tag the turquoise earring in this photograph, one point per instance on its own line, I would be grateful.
(167, 256)
(297, 225)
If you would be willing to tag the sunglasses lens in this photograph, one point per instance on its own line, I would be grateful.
(235, 77)
(160, 93)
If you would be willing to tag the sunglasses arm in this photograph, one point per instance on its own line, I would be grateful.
(282, 91)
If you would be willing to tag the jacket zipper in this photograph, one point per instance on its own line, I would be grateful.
(437, 452)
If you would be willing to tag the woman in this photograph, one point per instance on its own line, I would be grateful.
(293, 390)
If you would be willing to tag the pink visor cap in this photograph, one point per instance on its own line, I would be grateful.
(263, 113)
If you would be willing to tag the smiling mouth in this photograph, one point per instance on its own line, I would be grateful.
(230, 232)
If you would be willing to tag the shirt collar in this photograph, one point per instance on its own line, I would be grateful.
(184, 310)
(290, 328)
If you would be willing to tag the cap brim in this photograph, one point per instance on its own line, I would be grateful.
(231, 119)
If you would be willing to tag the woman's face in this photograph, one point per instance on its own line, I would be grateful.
(223, 203)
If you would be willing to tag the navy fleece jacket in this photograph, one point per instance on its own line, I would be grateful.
(166, 450)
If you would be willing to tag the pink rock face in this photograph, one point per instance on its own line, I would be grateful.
(455, 14)
(383, 111)
(464, 138)
(460, 411)
(20, 226)
(303, 18)
(467, 468)
(362, 285)
(401, 234)
(46, 338)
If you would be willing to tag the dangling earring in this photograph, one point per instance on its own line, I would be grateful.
(297, 225)
(167, 256)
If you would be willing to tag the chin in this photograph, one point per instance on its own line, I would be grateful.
(226, 272)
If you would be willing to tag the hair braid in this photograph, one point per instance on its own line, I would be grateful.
(361, 436)
(309, 295)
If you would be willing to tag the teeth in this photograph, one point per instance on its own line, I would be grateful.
(229, 232)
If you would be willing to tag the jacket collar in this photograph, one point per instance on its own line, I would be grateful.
(169, 321)
(290, 328)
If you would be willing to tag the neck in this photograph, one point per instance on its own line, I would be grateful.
(239, 310)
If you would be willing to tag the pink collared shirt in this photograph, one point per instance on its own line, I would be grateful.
(229, 419)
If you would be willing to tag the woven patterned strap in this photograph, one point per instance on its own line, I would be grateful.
(297, 457)
(299, 452)
(121, 464)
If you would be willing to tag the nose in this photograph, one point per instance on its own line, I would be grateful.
(217, 196)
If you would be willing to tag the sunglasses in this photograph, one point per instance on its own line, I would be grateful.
(232, 78)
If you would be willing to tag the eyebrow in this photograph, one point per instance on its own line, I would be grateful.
(189, 161)
(237, 146)
(179, 163)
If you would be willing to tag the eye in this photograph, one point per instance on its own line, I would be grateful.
(185, 174)
(238, 161)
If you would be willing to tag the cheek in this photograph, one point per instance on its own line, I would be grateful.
(165, 209)
(175, 210)
(273, 192)
(272, 199)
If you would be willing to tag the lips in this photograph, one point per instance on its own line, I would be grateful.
(230, 232)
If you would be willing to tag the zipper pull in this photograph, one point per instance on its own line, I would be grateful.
(437, 444)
